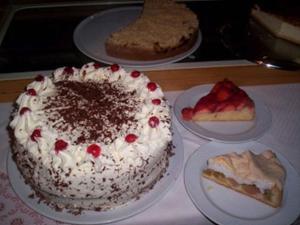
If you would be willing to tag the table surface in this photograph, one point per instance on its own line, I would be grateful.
(280, 90)
(182, 79)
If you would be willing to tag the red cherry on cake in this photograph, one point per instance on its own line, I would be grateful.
(153, 121)
(187, 113)
(156, 101)
(97, 65)
(35, 134)
(94, 149)
(130, 138)
(39, 78)
(60, 145)
(114, 67)
(31, 92)
(68, 70)
(24, 110)
(151, 86)
(135, 74)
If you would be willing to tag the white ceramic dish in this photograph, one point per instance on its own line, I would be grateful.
(227, 207)
(117, 214)
(227, 131)
(90, 35)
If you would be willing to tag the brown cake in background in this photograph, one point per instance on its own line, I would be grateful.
(164, 29)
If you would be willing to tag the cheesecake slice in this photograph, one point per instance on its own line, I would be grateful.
(225, 102)
(282, 26)
(258, 176)
(164, 29)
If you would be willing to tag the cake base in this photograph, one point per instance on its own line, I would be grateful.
(271, 197)
(138, 54)
(240, 115)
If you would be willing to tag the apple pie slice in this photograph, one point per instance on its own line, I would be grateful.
(258, 176)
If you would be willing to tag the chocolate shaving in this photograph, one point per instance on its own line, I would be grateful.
(95, 111)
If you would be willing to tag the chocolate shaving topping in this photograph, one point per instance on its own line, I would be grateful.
(92, 112)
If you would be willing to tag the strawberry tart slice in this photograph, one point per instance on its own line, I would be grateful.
(225, 102)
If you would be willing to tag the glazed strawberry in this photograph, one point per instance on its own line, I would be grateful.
(206, 104)
(24, 110)
(223, 84)
(35, 134)
(94, 149)
(229, 84)
(241, 99)
(39, 78)
(228, 108)
(216, 87)
(114, 67)
(153, 121)
(135, 74)
(187, 113)
(225, 101)
(130, 138)
(31, 92)
(225, 106)
(156, 101)
(151, 86)
(60, 145)
(68, 71)
(223, 94)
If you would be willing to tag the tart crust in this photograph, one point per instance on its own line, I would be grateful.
(240, 115)
(271, 197)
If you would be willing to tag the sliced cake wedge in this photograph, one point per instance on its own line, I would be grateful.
(164, 29)
(259, 176)
(225, 102)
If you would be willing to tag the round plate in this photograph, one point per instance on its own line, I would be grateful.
(223, 131)
(90, 36)
(93, 217)
(225, 206)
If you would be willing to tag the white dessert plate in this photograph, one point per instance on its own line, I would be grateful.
(90, 36)
(227, 207)
(223, 131)
(92, 217)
